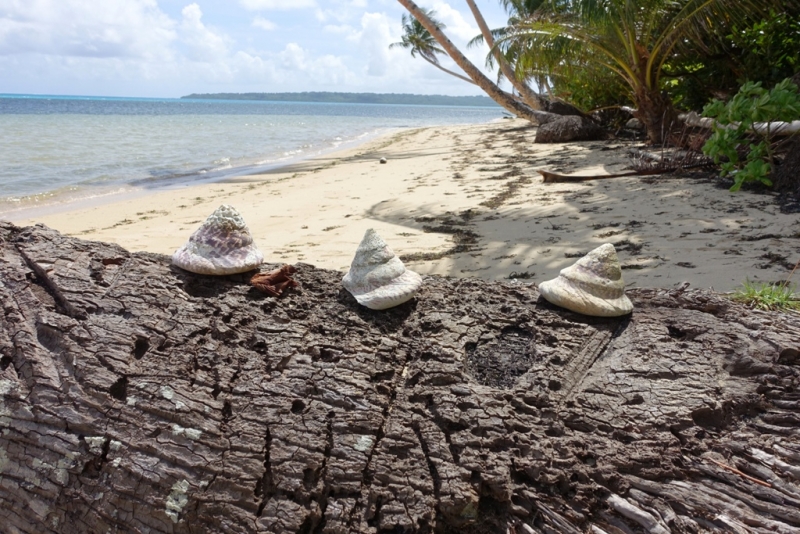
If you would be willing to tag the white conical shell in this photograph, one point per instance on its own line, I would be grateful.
(222, 245)
(377, 278)
(593, 285)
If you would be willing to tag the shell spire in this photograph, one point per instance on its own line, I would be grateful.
(222, 245)
(377, 278)
(593, 285)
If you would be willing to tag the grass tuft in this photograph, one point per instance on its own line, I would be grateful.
(765, 296)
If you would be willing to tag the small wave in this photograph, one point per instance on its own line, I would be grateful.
(57, 197)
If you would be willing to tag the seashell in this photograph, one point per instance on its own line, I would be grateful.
(222, 245)
(383, 160)
(593, 285)
(377, 278)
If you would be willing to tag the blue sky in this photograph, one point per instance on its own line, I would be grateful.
(169, 48)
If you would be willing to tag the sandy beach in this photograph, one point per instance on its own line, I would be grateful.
(467, 201)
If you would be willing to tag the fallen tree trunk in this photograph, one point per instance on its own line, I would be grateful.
(136, 397)
(776, 128)
(554, 177)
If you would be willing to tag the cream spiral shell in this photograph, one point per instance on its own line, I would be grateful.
(377, 278)
(592, 286)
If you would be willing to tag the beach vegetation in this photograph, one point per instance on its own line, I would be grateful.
(766, 50)
(743, 142)
(767, 296)
(658, 56)
(632, 40)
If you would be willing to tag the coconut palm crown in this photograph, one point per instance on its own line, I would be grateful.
(419, 40)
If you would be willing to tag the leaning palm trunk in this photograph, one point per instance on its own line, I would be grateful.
(450, 72)
(489, 87)
(527, 94)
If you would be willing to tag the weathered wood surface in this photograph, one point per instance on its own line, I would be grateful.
(136, 397)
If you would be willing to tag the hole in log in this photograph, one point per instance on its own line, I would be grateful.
(119, 389)
(40, 290)
(227, 411)
(709, 418)
(328, 355)
(787, 357)
(140, 347)
(298, 406)
(501, 361)
(381, 377)
(676, 333)
(49, 337)
(634, 400)
(5, 361)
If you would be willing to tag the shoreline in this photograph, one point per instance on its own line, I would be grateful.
(466, 201)
(90, 196)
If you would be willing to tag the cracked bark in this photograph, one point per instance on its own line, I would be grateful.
(135, 397)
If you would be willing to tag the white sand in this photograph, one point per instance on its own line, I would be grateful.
(481, 179)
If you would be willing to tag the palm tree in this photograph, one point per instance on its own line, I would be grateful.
(420, 41)
(478, 78)
(531, 98)
(633, 39)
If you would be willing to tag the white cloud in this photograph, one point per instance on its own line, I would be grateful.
(374, 38)
(341, 29)
(112, 28)
(131, 47)
(339, 13)
(203, 43)
(327, 71)
(264, 24)
(266, 5)
(458, 28)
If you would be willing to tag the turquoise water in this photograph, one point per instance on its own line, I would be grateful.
(53, 147)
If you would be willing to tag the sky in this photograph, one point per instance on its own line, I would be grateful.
(171, 48)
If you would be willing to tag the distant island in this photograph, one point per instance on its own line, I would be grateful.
(354, 98)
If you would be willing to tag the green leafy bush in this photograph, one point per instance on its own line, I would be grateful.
(767, 51)
(732, 132)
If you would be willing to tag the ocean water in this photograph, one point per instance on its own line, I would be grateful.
(54, 148)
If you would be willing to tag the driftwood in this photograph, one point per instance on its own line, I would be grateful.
(776, 128)
(644, 164)
(553, 177)
(135, 397)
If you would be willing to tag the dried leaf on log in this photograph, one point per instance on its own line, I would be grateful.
(275, 282)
